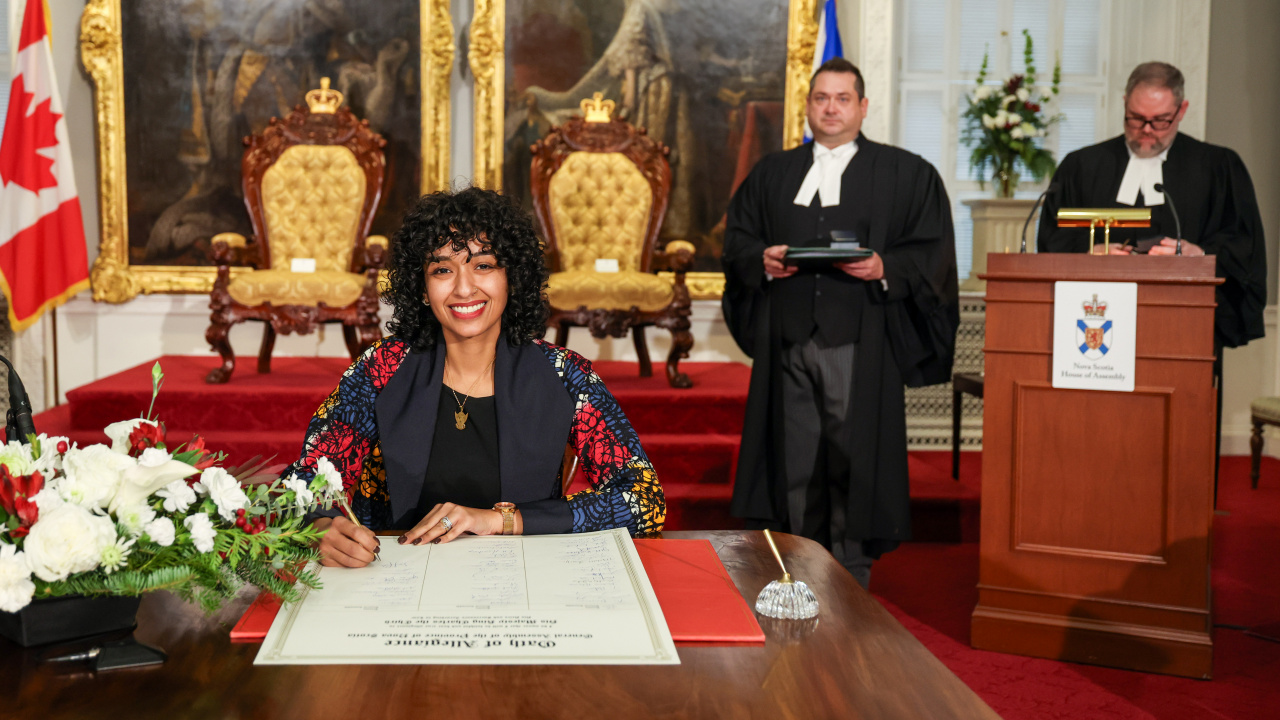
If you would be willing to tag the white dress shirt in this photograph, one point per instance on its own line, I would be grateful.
(824, 174)
(1143, 174)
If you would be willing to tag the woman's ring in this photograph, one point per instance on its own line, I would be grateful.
(446, 523)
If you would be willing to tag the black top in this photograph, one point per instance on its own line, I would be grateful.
(1213, 195)
(464, 463)
(826, 304)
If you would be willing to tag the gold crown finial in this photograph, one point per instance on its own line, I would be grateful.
(324, 100)
(597, 109)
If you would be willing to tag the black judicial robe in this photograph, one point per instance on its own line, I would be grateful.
(1213, 194)
(907, 332)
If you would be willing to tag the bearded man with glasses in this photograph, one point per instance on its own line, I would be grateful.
(1206, 185)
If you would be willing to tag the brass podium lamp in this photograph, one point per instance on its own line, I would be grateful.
(1105, 217)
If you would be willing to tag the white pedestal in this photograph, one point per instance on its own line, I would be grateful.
(997, 228)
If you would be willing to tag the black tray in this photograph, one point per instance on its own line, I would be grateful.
(807, 258)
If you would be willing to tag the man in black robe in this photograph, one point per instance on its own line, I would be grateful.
(1207, 185)
(824, 443)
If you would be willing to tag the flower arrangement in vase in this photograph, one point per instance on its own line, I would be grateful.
(135, 517)
(1003, 125)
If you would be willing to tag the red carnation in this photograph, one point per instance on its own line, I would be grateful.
(15, 498)
(145, 435)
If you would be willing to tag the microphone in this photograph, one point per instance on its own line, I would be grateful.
(1177, 224)
(1053, 188)
(18, 422)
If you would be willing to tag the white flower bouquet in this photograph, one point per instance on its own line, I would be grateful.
(1004, 125)
(136, 517)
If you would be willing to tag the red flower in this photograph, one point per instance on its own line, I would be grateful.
(146, 435)
(15, 498)
(1033, 107)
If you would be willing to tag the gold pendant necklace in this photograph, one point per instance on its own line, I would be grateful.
(460, 417)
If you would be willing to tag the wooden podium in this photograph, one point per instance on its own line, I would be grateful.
(1097, 506)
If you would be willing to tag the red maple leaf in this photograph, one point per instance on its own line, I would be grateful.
(23, 135)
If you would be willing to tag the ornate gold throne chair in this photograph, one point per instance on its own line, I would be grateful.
(600, 191)
(311, 184)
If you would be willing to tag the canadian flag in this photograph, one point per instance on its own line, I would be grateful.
(43, 260)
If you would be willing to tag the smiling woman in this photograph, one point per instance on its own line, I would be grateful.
(458, 423)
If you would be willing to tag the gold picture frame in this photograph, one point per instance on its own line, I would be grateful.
(113, 278)
(487, 60)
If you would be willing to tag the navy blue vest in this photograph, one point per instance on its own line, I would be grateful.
(826, 305)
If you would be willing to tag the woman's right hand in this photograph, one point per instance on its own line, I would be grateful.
(345, 544)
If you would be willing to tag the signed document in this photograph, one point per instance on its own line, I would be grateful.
(551, 599)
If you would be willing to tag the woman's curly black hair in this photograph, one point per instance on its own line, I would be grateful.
(446, 218)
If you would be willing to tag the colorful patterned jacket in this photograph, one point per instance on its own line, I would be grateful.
(377, 428)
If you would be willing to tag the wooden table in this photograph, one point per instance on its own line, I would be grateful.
(854, 661)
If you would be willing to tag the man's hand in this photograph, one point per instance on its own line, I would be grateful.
(1169, 246)
(774, 265)
(871, 268)
(345, 544)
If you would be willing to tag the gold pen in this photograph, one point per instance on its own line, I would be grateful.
(342, 500)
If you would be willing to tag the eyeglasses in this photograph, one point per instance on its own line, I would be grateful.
(1136, 122)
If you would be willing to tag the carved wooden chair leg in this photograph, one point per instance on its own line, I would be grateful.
(562, 333)
(1255, 447)
(681, 343)
(642, 350)
(216, 336)
(353, 342)
(268, 345)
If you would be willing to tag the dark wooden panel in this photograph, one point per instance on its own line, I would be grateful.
(1091, 491)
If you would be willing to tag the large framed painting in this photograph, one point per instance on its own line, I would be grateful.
(180, 83)
(720, 83)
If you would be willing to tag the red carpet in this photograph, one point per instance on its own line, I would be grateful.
(930, 588)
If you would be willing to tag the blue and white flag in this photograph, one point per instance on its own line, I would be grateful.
(827, 47)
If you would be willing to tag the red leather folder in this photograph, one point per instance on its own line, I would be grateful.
(698, 598)
(256, 621)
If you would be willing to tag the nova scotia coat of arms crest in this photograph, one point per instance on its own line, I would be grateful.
(1093, 331)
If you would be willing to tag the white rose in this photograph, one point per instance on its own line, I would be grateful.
(119, 432)
(134, 517)
(1002, 119)
(1024, 94)
(202, 532)
(16, 587)
(1016, 133)
(302, 495)
(48, 499)
(983, 92)
(988, 121)
(1045, 91)
(93, 475)
(1028, 129)
(224, 490)
(177, 495)
(142, 480)
(160, 531)
(67, 541)
(16, 458)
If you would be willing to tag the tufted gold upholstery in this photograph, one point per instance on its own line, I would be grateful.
(311, 199)
(335, 288)
(610, 291)
(600, 209)
(312, 183)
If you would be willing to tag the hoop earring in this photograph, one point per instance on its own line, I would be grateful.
(426, 302)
